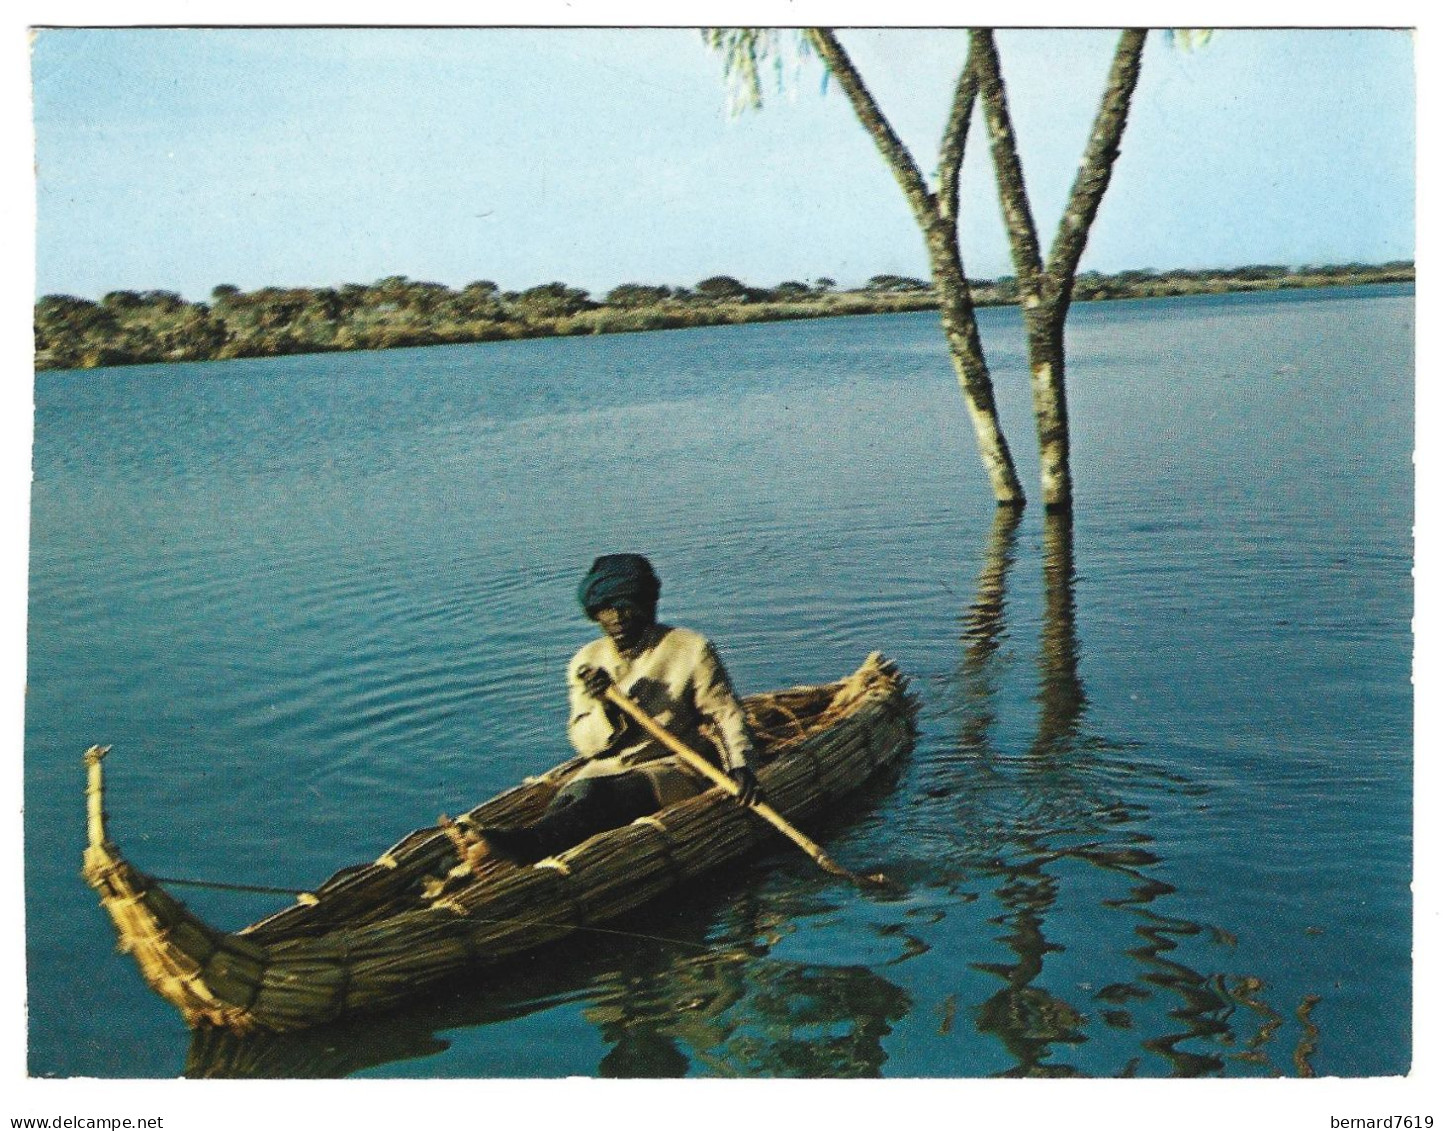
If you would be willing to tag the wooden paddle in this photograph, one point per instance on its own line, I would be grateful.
(719, 779)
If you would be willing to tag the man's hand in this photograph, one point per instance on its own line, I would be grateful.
(595, 680)
(749, 790)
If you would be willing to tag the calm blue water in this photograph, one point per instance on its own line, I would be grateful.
(1158, 820)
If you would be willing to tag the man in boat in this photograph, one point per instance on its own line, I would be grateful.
(674, 675)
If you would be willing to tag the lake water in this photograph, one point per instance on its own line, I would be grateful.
(1158, 819)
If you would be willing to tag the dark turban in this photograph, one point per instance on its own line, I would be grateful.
(618, 579)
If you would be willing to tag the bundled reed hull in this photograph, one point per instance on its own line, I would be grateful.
(376, 934)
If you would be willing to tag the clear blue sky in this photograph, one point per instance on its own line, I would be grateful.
(180, 159)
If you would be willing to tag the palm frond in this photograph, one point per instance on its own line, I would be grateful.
(1190, 38)
(746, 53)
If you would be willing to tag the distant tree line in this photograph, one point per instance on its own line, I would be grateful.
(133, 327)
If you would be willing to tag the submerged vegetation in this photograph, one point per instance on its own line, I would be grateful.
(136, 327)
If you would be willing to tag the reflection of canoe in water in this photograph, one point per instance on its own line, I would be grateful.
(682, 987)
(376, 934)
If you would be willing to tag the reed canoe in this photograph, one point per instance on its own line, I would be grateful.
(429, 908)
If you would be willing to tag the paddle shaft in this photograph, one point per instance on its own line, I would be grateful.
(615, 695)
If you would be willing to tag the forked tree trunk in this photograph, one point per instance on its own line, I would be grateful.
(1046, 292)
(936, 215)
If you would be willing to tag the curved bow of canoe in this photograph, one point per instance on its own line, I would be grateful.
(376, 934)
(203, 972)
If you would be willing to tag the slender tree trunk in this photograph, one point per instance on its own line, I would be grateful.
(1047, 360)
(1095, 172)
(964, 343)
(938, 223)
(1046, 292)
(1035, 290)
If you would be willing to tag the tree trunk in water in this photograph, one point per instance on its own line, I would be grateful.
(1047, 351)
(1042, 314)
(1046, 293)
(1047, 357)
(964, 343)
(959, 322)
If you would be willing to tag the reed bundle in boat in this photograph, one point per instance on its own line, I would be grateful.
(375, 934)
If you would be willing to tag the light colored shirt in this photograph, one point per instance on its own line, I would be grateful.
(677, 678)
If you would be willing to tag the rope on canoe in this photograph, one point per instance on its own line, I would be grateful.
(517, 919)
(513, 919)
(708, 948)
(217, 885)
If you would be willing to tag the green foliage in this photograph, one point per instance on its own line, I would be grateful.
(130, 327)
(790, 290)
(723, 288)
(896, 283)
(636, 294)
(479, 300)
(1005, 289)
(552, 300)
(121, 300)
(1268, 271)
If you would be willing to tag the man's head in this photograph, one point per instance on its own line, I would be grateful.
(620, 592)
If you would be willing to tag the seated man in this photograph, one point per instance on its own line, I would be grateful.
(675, 676)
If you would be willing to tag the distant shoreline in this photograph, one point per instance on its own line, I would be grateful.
(146, 327)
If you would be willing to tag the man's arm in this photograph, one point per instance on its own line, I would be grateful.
(593, 728)
(718, 703)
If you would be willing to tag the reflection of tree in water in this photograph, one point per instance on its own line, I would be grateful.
(1029, 820)
(739, 1013)
(741, 1017)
